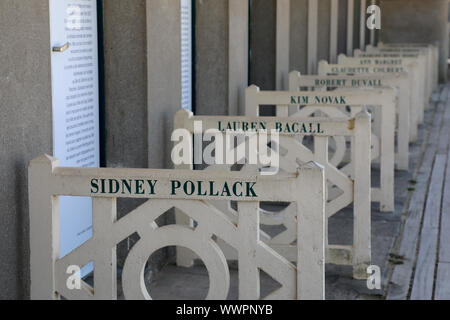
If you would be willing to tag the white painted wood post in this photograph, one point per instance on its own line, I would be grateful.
(237, 55)
(350, 21)
(387, 156)
(282, 43)
(105, 261)
(313, 15)
(184, 257)
(251, 106)
(321, 156)
(248, 228)
(322, 68)
(311, 221)
(44, 228)
(334, 30)
(362, 200)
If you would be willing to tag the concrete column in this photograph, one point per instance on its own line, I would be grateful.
(350, 26)
(221, 56)
(323, 31)
(25, 129)
(142, 90)
(417, 21)
(282, 53)
(313, 35)
(262, 43)
(164, 77)
(342, 28)
(334, 30)
(299, 36)
(238, 55)
(356, 24)
(124, 25)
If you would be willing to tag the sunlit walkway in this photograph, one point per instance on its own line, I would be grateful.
(421, 260)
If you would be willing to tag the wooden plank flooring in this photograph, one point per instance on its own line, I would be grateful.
(425, 240)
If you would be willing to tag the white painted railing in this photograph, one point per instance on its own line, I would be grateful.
(355, 69)
(432, 52)
(343, 190)
(421, 57)
(333, 104)
(166, 189)
(412, 66)
(400, 81)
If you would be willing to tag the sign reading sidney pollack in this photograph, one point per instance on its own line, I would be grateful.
(173, 187)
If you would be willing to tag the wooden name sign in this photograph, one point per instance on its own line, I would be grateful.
(384, 101)
(341, 192)
(186, 191)
(402, 82)
(356, 69)
(415, 66)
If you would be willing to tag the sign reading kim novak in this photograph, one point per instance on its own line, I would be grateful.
(74, 59)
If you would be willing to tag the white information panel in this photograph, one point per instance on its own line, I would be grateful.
(74, 59)
(186, 54)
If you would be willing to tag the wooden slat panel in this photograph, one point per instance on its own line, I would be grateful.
(401, 277)
(442, 291)
(444, 248)
(422, 288)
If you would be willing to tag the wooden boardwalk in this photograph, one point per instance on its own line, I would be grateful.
(421, 268)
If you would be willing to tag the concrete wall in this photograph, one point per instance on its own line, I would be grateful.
(25, 129)
(125, 83)
(342, 27)
(417, 21)
(323, 30)
(212, 57)
(262, 43)
(299, 36)
(221, 40)
(143, 92)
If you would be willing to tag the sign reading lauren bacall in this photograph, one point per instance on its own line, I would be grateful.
(74, 59)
